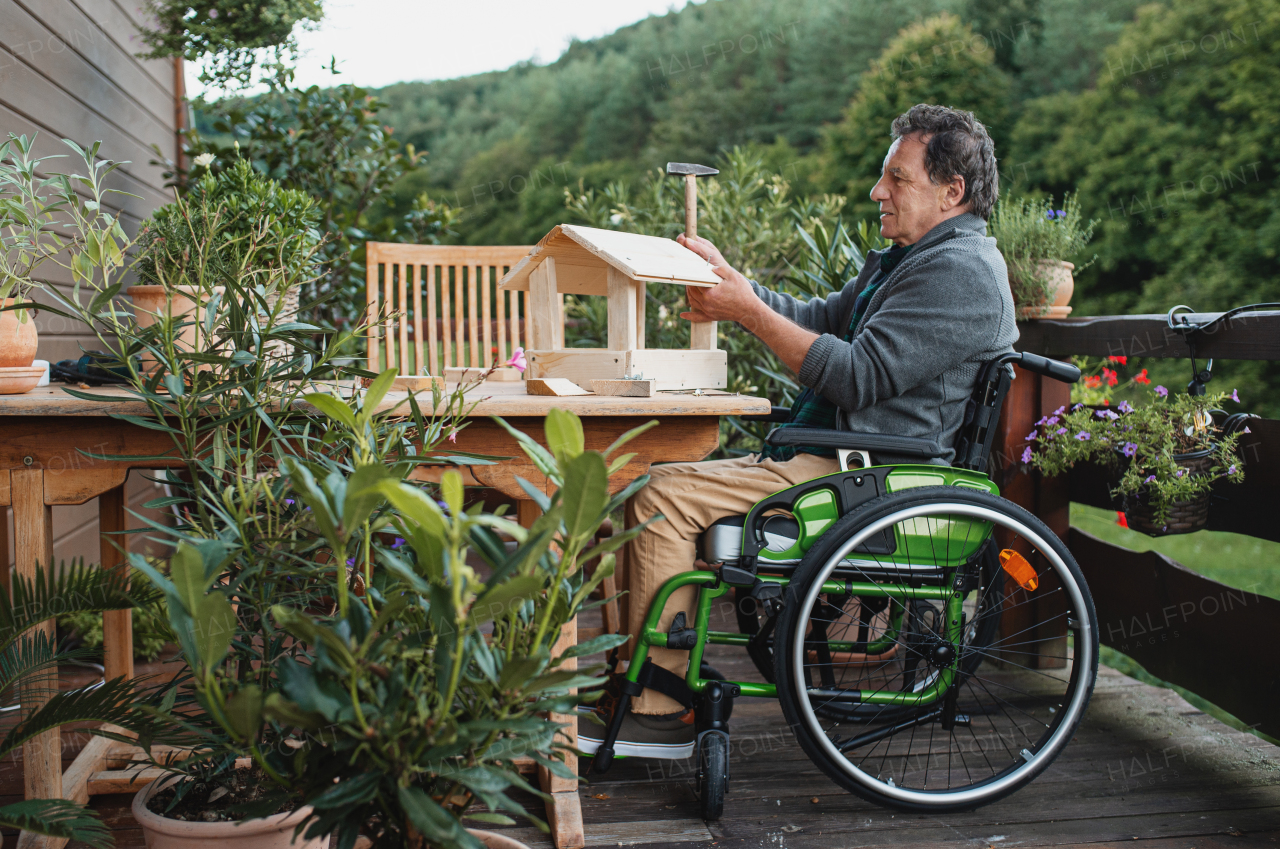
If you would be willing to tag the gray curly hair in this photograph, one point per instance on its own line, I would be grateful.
(956, 145)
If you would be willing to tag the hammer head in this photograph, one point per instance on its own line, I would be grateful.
(684, 168)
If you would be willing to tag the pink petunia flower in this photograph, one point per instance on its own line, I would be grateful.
(1026, 454)
(1161, 391)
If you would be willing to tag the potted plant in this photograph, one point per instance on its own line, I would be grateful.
(1170, 453)
(408, 700)
(1038, 243)
(45, 219)
(239, 225)
(29, 661)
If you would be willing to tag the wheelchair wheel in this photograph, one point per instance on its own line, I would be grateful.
(981, 690)
(713, 774)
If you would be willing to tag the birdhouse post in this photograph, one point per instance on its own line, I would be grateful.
(618, 266)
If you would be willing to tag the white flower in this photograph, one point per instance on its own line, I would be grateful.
(663, 312)
(615, 219)
(204, 160)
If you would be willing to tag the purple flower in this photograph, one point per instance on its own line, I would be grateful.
(1234, 396)
(1026, 455)
(1231, 470)
(1053, 420)
(288, 502)
(1075, 407)
(398, 542)
(1106, 414)
(1125, 407)
(1130, 448)
(1246, 430)
(351, 561)
(1031, 436)
(1151, 479)
(1061, 430)
(1180, 472)
(1161, 391)
(1060, 411)
(1083, 436)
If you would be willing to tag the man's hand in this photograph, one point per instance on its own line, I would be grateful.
(730, 300)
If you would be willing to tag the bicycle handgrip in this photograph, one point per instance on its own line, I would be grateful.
(1056, 369)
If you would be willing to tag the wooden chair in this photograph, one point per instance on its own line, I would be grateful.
(437, 307)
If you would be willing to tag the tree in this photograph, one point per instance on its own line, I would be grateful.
(939, 60)
(1174, 150)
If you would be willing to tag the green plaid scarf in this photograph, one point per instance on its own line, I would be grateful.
(812, 410)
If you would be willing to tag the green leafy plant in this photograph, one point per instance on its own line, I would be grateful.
(231, 37)
(1028, 232)
(1145, 441)
(29, 662)
(44, 218)
(151, 632)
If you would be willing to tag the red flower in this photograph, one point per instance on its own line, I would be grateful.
(1121, 360)
(1110, 377)
(1093, 381)
(1141, 377)
(1121, 520)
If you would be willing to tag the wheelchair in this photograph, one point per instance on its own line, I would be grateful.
(933, 645)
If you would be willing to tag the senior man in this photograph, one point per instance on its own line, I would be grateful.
(896, 351)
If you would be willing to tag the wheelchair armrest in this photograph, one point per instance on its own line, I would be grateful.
(816, 437)
(776, 414)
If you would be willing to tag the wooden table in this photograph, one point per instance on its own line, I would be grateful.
(44, 432)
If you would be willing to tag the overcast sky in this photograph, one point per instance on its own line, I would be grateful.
(378, 42)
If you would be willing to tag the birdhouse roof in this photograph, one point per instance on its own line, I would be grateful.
(583, 255)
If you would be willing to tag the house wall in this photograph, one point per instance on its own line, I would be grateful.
(68, 69)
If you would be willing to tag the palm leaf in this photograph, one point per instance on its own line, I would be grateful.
(112, 702)
(71, 589)
(57, 818)
(31, 655)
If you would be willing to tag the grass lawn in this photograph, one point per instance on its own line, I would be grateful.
(1232, 559)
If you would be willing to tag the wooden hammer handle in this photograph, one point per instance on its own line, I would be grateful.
(690, 206)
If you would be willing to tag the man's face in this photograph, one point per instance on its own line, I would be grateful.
(911, 205)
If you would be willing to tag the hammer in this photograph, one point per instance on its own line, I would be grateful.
(691, 173)
(702, 335)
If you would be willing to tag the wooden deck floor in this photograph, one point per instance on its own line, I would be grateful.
(1146, 766)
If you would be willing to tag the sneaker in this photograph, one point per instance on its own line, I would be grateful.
(641, 736)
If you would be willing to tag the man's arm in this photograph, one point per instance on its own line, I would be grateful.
(733, 299)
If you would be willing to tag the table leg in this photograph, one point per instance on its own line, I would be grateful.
(33, 543)
(564, 808)
(117, 625)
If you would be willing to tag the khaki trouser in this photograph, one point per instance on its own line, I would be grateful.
(692, 496)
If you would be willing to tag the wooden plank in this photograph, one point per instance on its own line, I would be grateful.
(451, 254)
(474, 355)
(419, 363)
(402, 309)
(117, 625)
(625, 388)
(417, 383)
(459, 315)
(486, 310)
(568, 734)
(106, 781)
(434, 364)
(556, 387)
(641, 299)
(702, 335)
(497, 375)
(446, 331)
(564, 816)
(372, 261)
(1248, 336)
(33, 543)
(672, 369)
(543, 304)
(622, 311)
(639, 257)
(501, 319)
(75, 780)
(1180, 626)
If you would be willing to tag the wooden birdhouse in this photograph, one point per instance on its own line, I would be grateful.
(588, 261)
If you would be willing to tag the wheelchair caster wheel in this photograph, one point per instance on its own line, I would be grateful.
(713, 773)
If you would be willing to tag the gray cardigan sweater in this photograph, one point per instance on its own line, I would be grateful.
(934, 320)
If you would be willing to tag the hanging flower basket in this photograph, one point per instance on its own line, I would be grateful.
(1182, 517)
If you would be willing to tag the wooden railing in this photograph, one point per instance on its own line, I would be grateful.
(1214, 640)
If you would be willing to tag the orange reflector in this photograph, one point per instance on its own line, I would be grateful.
(1019, 569)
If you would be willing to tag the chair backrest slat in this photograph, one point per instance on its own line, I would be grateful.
(431, 307)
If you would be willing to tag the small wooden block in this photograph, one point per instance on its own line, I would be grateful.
(455, 374)
(625, 388)
(560, 387)
(417, 383)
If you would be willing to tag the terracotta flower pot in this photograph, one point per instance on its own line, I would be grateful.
(1062, 285)
(18, 339)
(491, 839)
(150, 302)
(274, 832)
